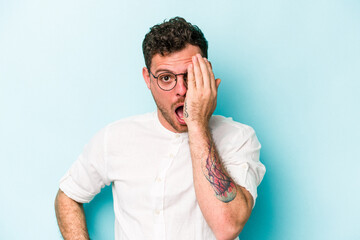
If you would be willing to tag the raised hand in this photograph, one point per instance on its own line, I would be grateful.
(201, 96)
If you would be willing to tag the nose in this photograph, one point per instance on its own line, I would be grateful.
(181, 86)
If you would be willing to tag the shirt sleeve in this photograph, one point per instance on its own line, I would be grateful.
(88, 174)
(241, 160)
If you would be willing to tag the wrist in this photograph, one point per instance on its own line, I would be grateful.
(198, 129)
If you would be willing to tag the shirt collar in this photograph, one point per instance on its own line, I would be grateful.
(164, 130)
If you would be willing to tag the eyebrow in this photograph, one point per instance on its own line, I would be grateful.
(166, 70)
(162, 70)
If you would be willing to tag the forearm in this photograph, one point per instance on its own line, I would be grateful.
(225, 205)
(70, 217)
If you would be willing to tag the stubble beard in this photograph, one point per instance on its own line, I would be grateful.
(167, 115)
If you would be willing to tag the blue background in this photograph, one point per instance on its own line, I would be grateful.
(290, 69)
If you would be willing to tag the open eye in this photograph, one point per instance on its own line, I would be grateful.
(166, 77)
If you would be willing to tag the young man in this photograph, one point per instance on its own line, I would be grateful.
(177, 173)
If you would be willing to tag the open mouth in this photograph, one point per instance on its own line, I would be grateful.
(179, 111)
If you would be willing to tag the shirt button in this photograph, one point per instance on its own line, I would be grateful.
(177, 135)
(171, 155)
(158, 179)
(157, 211)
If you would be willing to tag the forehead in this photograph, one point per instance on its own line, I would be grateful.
(177, 61)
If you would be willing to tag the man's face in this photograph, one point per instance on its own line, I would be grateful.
(170, 103)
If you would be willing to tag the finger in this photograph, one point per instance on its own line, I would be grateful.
(190, 77)
(205, 72)
(217, 81)
(211, 75)
(197, 73)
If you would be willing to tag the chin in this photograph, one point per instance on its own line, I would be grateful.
(171, 121)
(182, 129)
(178, 127)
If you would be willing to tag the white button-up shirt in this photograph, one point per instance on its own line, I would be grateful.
(151, 174)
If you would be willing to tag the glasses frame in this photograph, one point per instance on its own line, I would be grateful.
(157, 79)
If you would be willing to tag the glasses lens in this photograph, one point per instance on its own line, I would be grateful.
(167, 81)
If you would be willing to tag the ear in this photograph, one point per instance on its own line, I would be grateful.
(146, 77)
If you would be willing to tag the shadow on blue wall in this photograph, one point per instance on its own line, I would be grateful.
(100, 215)
(262, 220)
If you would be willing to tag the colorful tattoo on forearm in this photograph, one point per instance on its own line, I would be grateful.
(223, 185)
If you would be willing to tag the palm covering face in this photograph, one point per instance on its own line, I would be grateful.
(201, 96)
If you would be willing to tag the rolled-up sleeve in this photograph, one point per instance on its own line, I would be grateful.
(241, 158)
(88, 174)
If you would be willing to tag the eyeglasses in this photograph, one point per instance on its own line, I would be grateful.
(167, 80)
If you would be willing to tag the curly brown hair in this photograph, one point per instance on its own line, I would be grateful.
(172, 36)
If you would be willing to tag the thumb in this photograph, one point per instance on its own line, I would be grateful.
(217, 82)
